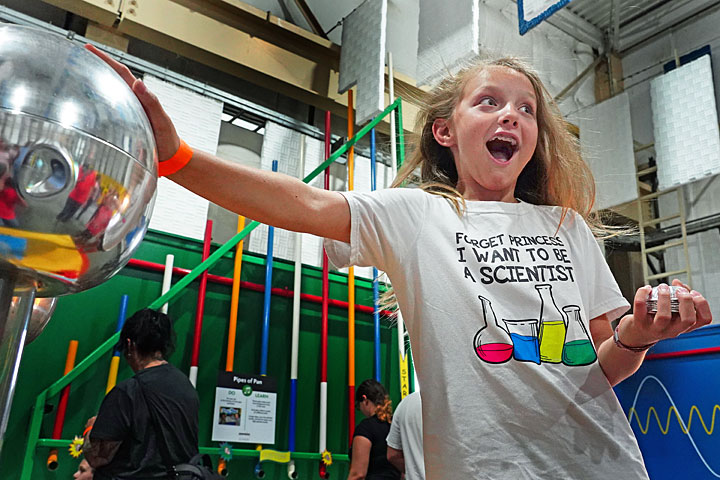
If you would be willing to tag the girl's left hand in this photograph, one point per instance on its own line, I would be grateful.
(643, 328)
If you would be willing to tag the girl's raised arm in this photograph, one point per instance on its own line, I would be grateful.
(272, 198)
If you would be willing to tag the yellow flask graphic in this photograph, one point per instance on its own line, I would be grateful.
(552, 326)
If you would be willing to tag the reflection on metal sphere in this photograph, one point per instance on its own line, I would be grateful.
(42, 311)
(77, 163)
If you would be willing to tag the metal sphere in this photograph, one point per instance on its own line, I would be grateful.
(42, 311)
(78, 169)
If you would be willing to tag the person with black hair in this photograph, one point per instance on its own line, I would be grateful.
(84, 471)
(148, 417)
(368, 454)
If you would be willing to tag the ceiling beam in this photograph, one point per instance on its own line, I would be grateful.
(310, 18)
(243, 41)
(646, 29)
(578, 28)
(268, 27)
(104, 12)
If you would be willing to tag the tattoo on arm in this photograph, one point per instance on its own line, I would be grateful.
(100, 452)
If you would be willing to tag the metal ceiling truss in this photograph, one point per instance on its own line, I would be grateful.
(233, 105)
(241, 40)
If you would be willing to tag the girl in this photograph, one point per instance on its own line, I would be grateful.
(369, 448)
(494, 244)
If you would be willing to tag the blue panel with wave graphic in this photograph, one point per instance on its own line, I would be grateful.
(673, 404)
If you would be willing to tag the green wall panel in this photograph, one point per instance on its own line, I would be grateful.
(90, 317)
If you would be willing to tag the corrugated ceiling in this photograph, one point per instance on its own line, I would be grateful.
(628, 23)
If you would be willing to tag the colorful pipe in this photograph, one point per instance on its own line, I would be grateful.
(36, 419)
(200, 307)
(259, 472)
(167, 279)
(222, 467)
(234, 296)
(297, 286)
(115, 360)
(254, 287)
(351, 287)
(322, 447)
(375, 286)
(52, 460)
(268, 288)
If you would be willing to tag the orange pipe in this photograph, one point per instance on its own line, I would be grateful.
(232, 324)
(351, 286)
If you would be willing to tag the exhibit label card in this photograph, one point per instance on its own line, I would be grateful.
(245, 409)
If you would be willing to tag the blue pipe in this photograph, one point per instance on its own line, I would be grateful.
(121, 319)
(268, 288)
(293, 405)
(376, 294)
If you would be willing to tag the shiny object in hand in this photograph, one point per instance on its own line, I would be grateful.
(653, 299)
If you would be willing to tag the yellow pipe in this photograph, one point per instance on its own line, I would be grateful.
(112, 374)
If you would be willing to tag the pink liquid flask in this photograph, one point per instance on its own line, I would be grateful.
(492, 343)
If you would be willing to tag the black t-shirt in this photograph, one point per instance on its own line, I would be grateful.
(124, 416)
(377, 431)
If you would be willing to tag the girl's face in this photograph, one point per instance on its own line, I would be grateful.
(492, 133)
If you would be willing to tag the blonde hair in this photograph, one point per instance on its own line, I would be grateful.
(384, 410)
(556, 174)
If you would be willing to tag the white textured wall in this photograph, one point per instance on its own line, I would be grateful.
(702, 198)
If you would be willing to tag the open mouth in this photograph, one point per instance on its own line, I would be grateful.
(502, 148)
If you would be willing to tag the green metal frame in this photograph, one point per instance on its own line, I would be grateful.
(36, 419)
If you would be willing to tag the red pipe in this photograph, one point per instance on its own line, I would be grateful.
(683, 353)
(65, 394)
(255, 287)
(201, 296)
(52, 460)
(322, 470)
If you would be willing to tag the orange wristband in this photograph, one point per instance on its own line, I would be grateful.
(176, 162)
(87, 430)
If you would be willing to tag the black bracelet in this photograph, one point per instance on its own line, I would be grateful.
(621, 345)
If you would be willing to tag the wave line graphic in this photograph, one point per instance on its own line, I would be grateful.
(671, 410)
(685, 429)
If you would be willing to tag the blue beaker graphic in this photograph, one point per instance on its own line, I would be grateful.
(524, 335)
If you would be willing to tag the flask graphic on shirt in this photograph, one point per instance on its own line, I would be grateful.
(552, 326)
(492, 342)
(578, 349)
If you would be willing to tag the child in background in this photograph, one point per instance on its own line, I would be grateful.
(494, 243)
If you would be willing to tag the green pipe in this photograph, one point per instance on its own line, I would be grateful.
(236, 452)
(33, 434)
(400, 135)
(106, 346)
(212, 259)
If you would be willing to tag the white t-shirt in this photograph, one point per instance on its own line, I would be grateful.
(406, 435)
(457, 282)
